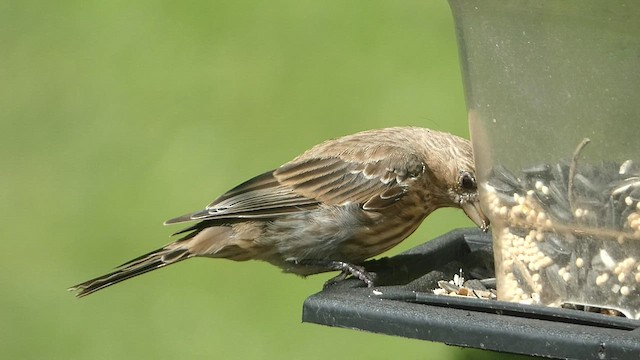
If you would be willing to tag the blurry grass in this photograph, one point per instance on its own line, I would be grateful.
(118, 115)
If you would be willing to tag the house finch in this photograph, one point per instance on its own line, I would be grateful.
(329, 209)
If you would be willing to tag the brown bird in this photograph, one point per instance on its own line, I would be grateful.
(329, 209)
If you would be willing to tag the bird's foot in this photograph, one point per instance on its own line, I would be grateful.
(346, 269)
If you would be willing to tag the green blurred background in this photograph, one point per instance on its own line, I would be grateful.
(117, 115)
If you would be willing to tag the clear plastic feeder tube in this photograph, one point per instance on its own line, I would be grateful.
(553, 97)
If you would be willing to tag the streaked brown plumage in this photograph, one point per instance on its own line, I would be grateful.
(331, 208)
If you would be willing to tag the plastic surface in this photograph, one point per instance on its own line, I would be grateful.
(552, 95)
(408, 308)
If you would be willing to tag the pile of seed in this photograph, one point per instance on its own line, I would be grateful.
(568, 235)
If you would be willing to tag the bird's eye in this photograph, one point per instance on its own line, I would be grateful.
(467, 181)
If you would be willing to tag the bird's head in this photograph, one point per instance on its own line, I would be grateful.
(454, 170)
(465, 194)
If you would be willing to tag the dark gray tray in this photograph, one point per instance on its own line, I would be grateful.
(403, 306)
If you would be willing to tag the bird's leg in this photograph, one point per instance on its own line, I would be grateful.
(345, 269)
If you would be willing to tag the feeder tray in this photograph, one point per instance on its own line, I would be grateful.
(404, 305)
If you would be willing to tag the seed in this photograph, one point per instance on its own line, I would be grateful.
(579, 262)
(535, 297)
(622, 276)
(606, 259)
(544, 262)
(602, 278)
(624, 291)
(626, 167)
(538, 185)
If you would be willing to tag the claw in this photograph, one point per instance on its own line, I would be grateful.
(345, 269)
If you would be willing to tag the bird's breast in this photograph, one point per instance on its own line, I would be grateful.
(342, 233)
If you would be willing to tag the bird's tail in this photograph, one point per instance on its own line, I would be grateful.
(154, 260)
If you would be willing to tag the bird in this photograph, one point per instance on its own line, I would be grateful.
(338, 204)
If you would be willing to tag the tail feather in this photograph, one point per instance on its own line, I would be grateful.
(138, 266)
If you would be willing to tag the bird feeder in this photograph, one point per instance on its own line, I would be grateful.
(552, 95)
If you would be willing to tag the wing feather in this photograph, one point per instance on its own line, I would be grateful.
(375, 182)
(260, 197)
(375, 178)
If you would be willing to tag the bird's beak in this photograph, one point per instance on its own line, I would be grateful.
(474, 212)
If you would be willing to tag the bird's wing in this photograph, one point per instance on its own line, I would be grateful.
(260, 197)
(373, 183)
(305, 183)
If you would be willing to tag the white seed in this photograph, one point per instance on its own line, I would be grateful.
(535, 297)
(625, 291)
(527, 301)
(638, 277)
(531, 216)
(510, 277)
(540, 218)
(545, 189)
(622, 276)
(628, 200)
(544, 262)
(503, 211)
(629, 262)
(507, 262)
(539, 185)
(602, 278)
(518, 292)
(617, 270)
(615, 288)
(579, 262)
(439, 291)
(519, 199)
(578, 213)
